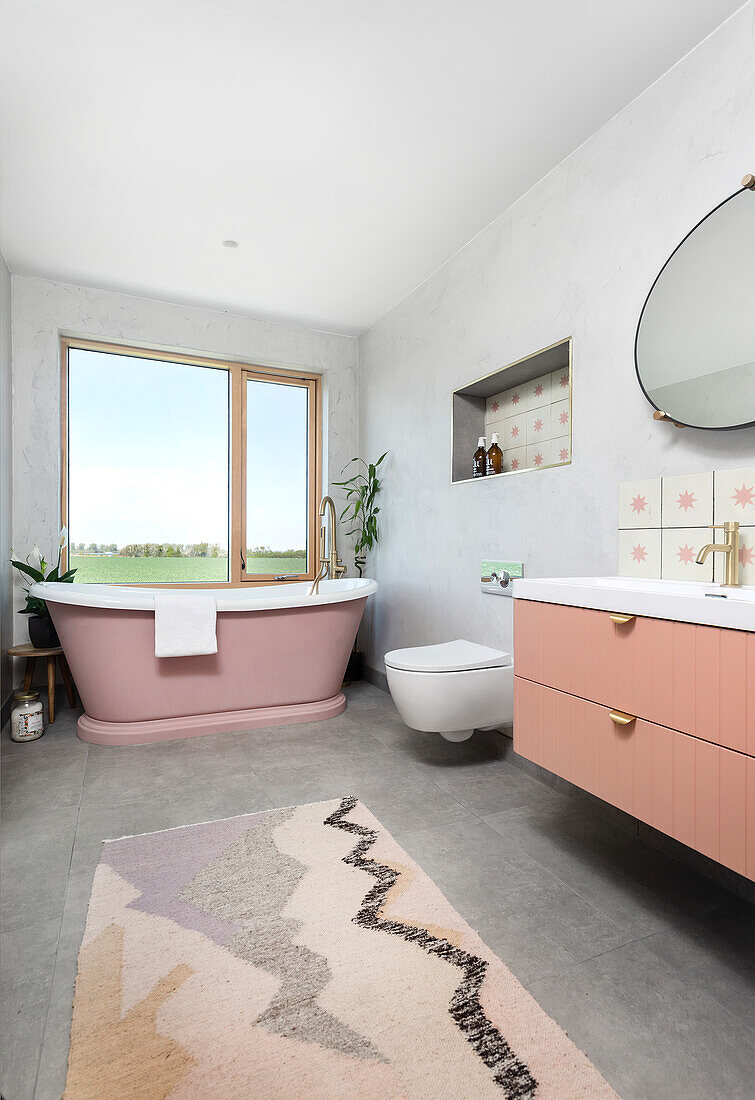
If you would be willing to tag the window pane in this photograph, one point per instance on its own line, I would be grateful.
(276, 478)
(147, 469)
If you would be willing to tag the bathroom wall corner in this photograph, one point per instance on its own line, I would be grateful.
(375, 677)
(6, 477)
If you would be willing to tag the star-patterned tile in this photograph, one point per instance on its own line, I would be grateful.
(687, 500)
(537, 393)
(746, 558)
(561, 450)
(514, 431)
(734, 495)
(515, 403)
(640, 503)
(560, 384)
(679, 548)
(538, 426)
(560, 417)
(539, 454)
(515, 459)
(496, 408)
(640, 554)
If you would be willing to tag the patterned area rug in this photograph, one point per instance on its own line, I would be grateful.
(298, 953)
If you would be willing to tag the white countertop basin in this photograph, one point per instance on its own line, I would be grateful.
(708, 604)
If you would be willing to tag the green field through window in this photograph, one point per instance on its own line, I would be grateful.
(94, 569)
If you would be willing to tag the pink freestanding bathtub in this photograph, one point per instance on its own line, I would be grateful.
(281, 659)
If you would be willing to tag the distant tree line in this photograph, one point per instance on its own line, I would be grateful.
(93, 548)
(152, 549)
(266, 552)
(175, 550)
(172, 550)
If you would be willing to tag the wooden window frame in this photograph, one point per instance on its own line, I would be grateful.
(239, 372)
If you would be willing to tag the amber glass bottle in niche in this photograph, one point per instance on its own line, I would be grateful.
(479, 464)
(495, 456)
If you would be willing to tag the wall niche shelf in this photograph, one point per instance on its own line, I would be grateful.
(528, 403)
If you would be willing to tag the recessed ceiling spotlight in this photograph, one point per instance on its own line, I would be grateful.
(230, 244)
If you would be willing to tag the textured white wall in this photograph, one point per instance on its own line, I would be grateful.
(6, 467)
(575, 256)
(42, 310)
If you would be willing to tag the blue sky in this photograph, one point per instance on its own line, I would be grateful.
(276, 448)
(148, 454)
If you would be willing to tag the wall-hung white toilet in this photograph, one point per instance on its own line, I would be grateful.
(453, 688)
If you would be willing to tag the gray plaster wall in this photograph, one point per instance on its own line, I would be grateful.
(574, 257)
(43, 310)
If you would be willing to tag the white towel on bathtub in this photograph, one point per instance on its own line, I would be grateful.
(185, 624)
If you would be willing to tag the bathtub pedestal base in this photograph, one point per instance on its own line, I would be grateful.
(194, 725)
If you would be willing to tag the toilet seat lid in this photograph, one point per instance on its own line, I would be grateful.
(456, 656)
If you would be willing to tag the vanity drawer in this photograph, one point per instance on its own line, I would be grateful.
(699, 793)
(688, 677)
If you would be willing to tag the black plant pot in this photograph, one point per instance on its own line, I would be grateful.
(354, 667)
(42, 633)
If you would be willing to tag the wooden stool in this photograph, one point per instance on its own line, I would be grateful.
(28, 651)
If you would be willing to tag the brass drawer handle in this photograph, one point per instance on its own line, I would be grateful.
(619, 718)
(621, 619)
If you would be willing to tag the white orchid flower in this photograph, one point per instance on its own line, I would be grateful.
(37, 553)
(63, 539)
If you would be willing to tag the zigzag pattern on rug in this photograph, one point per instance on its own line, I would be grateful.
(512, 1075)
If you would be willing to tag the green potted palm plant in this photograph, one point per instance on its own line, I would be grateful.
(361, 513)
(42, 633)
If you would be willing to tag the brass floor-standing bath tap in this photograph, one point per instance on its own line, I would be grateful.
(330, 564)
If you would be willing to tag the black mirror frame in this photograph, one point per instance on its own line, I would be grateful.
(681, 423)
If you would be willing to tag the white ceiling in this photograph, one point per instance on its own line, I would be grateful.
(349, 146)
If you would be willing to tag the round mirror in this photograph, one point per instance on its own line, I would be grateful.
(695, 345)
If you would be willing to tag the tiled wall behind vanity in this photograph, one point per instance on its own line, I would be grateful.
(533, 422)
(664, 521)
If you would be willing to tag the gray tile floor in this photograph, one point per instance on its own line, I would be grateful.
(646, 964)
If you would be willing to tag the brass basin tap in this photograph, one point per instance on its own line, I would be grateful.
(730, 548)
(330, 564)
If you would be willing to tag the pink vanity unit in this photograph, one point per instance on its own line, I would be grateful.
(643, 693)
